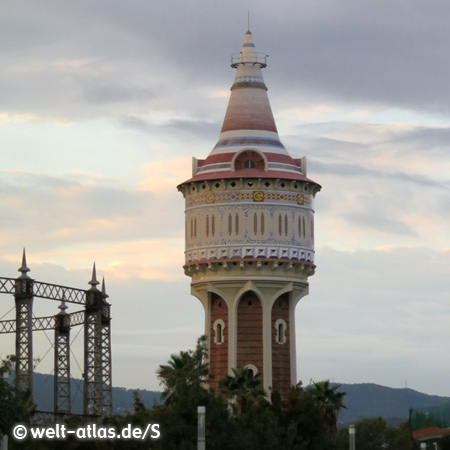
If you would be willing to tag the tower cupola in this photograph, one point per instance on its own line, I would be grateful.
(249, 144)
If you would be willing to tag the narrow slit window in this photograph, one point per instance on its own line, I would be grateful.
(299, 227)
(285, 225)
(195, 227)
(262, 223)
(230, 224)
(213, 225)
(280, 331)
(219, 327)
(237, 223)
(255, 224)
(304, 227)
(280, 225)
(207, 226)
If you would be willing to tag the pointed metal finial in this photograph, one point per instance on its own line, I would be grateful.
(248, 22)
(24, 269)
(94, 283)
(105, 295)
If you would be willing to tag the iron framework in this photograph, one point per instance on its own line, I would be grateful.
(96, 319)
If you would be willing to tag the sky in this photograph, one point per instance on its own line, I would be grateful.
(104, 103)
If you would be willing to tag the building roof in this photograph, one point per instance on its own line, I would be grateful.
(249, 132)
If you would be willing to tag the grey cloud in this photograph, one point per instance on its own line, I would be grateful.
(355, 170)
(432, 142)
(323, 147)
(356, 54)
(45, 206)
(103, 92)
(362, 54)
(193, 128)
(369, 219)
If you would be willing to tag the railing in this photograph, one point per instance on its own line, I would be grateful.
(254, 58)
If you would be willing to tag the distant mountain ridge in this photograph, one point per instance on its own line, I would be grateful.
(364, 400)
(368, 400)
(122, 397)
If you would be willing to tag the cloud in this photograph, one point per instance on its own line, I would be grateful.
(90, 60)
(354, 170)
(191, 129)
(387, 308)
(57, 212)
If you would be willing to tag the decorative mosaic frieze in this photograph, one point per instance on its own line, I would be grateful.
(248, 196)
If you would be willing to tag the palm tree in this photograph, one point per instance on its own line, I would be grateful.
(243, 387)
(330, 401)
(184, 372)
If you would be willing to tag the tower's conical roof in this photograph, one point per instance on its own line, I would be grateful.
(249, 132)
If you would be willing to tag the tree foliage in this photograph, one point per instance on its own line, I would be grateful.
(241, 417)
(243, 388)
(375, 433)
(12, 406)
(331, 401)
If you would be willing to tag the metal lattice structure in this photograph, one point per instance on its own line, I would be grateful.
(97, 395)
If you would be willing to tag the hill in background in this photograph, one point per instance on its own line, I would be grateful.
(122, 398)
(366, 400)
(370, 400)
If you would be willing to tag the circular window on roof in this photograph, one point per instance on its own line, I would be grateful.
(249, 159)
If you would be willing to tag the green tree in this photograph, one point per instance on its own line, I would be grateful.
(185, 379)
(243, 388)
(184, 373)
(302, 421)
(12, 406)
(331, 401)
(375, 433)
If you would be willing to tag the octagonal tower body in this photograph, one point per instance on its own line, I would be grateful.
(249, 222)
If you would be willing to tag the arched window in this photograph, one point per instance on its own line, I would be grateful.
(219, 328)
(280, 331)
(252, 369)
(249, 159)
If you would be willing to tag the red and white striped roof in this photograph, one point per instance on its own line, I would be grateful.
(249, 126)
